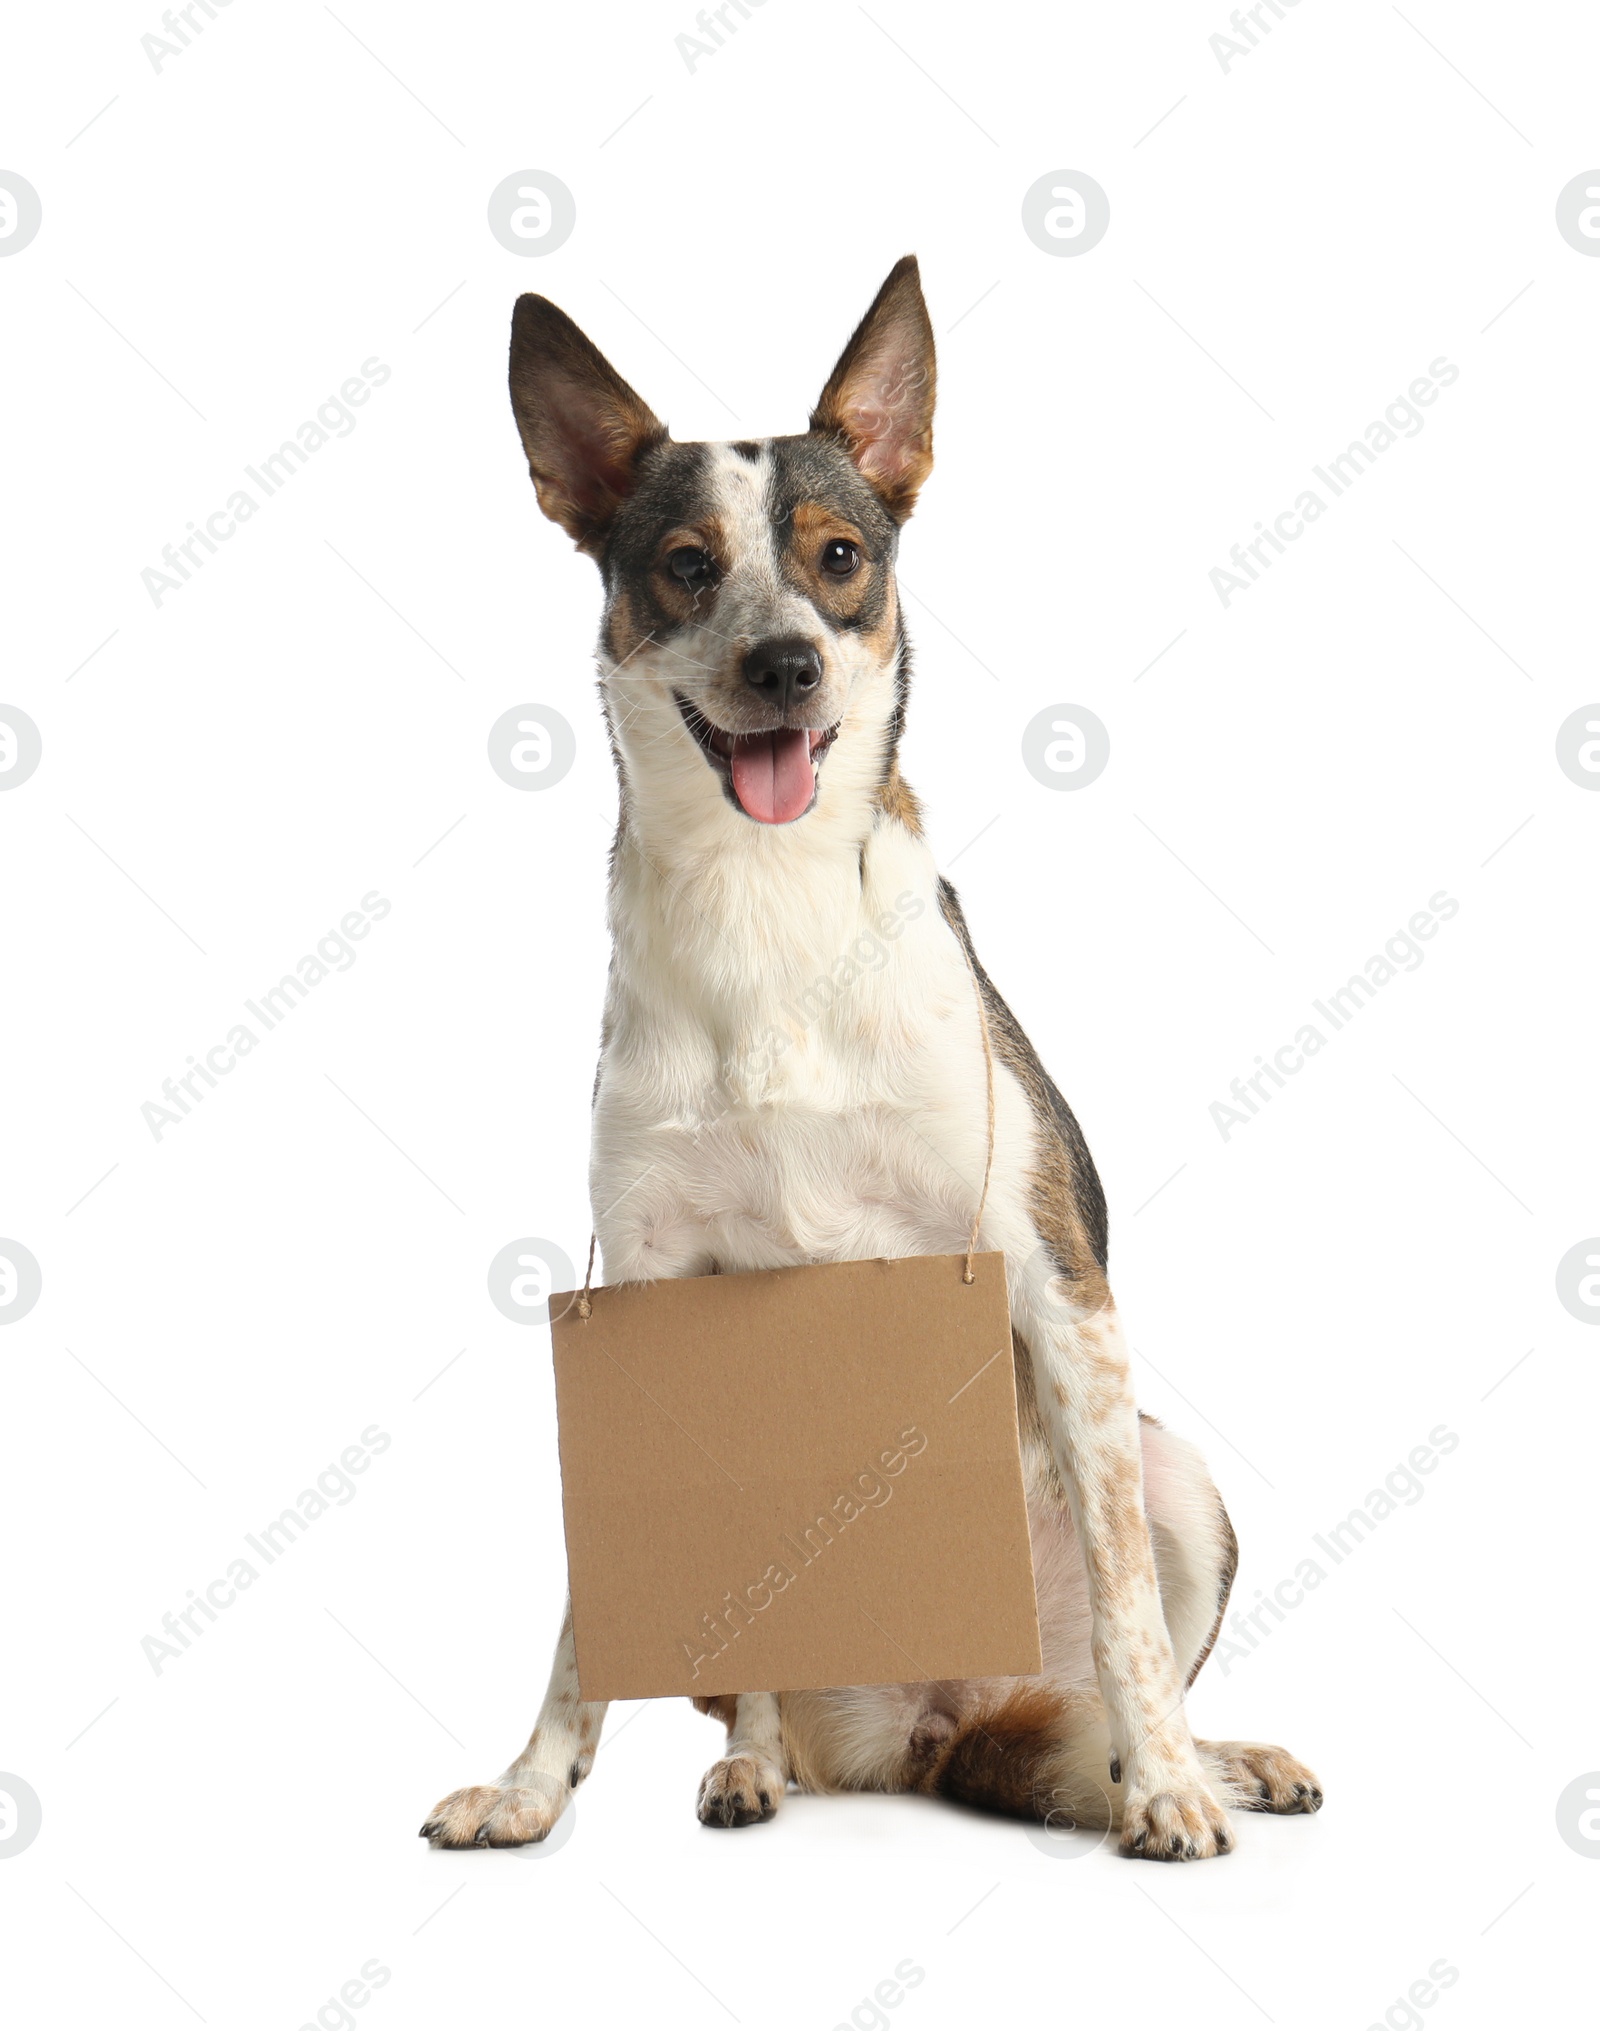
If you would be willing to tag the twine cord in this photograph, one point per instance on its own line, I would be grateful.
(988, 1073)
(584, 1306)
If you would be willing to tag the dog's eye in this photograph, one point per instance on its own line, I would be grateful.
(690, 566)
(839, 558)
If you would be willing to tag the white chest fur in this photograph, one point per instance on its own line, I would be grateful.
(793, 1068)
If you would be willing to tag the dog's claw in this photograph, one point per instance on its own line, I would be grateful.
(1175, 1826)
(740, 1791)
(1269, 1779)
(496, 1816)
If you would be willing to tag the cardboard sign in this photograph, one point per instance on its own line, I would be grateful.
(799, 1477)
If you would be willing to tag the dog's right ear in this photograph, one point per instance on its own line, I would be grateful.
(879, 399)
(582, 426)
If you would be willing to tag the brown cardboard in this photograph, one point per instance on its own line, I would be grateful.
(708, 1424)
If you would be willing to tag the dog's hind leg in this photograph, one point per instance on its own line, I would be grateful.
(1040, 1748)
(1261, 1777)
(747, 1784)
(529, 1797)
(1196, 1556)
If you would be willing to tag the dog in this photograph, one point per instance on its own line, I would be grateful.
(754, 675)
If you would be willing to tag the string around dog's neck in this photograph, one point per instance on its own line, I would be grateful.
(586, 1307)
(988, 1078)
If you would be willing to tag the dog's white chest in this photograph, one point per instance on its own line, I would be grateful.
(817, 1101)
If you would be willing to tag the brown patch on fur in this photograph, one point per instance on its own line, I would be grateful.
(1001, 1763)
(846, 600)
(1121, 1500)
(681, 602)
(816, 524)
(1053, 1190)
(897, 800)
(723, 1707)
(625, 631)
(929, 1738)
(883, 637)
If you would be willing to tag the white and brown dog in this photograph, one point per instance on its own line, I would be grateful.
(754, 676)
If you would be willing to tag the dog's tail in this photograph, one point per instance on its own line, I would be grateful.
(1042, 1754)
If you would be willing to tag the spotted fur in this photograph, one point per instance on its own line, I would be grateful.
(731, 1134)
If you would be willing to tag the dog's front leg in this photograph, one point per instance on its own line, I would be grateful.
(1085, 1394)
(531, 1795)
(654, 1238)
(747, 1784)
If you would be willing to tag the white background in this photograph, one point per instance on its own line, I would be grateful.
(1291, 246)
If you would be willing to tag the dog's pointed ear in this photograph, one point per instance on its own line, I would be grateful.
(879, 398)
(582, 426)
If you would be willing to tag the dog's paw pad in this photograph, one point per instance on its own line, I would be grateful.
(494, 1816)
(1268, 1779)
(1175, 1826)
(739, 1791)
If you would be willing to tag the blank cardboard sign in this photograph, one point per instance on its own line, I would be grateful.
(799, 1477)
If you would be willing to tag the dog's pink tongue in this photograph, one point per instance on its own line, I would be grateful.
(772, 774)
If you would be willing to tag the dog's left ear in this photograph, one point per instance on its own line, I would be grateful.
(879, 398)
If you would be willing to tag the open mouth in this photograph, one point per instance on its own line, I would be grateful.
(772, 775)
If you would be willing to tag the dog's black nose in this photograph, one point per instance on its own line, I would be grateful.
(785, 671)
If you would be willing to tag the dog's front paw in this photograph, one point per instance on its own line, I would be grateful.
(740, 1791)
(1180, 1824)
(495, 1815)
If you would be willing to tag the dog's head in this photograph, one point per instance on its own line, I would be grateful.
(751, 651)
